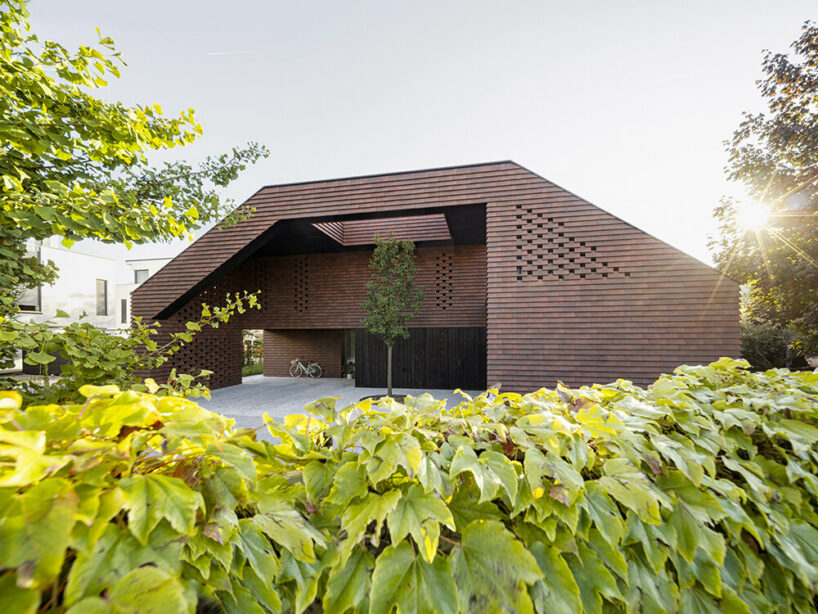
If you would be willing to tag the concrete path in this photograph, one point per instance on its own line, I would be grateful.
(279, 396)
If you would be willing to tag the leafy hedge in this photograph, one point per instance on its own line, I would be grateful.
(696, 495)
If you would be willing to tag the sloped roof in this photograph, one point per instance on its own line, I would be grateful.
(328, 202)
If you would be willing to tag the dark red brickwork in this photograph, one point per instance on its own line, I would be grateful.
(322, 291)
(321, 346)
(567, 291)
(327, 290)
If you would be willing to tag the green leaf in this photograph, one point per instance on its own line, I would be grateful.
(258, 551)
(692, 534)
(603, 512)
(557, 592)
(420, 515)
(492, 569)
(349, 483)
(263, 592)
(39, 358)
(282, 523)
(18, 600)
(35, 530)
(465, 507)
(302, 577)
(593, 579)
(374, 508)
(632, 489)
(537, 465)
(318, 477)
(411, 584)
(395, 451)
(8, 335)
(696, 601)
(491, 472)
(150, 498)
(700, 502)
(115, 554)
(348, 583)
(148, 590)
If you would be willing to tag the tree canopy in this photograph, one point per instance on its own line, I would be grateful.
(77, 166)
(774, 154)
(392, 299)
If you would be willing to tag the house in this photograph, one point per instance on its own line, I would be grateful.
(84, 285)
(86, 289)
(526, 284)
(140, 270)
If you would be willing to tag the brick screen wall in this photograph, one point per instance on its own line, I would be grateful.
(321, 292)
(321, 346)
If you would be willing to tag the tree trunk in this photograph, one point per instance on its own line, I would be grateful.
(389, 370)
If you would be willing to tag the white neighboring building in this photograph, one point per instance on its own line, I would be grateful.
(140, 270)
(86, 284)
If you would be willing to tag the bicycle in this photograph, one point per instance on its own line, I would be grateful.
(298, 368)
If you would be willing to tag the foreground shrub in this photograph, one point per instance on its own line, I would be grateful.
(93, 356)
(696, 495)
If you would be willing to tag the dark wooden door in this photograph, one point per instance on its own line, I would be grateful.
(444, 358)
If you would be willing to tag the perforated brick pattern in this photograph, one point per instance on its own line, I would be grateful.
(301, 283)
(547, 251)
(443, 280)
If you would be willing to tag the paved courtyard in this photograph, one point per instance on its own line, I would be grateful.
(279, 396)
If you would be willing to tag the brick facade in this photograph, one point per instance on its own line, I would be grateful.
(566, 290)
(322, 293)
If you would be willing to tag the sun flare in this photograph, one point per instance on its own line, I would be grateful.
(752, 215)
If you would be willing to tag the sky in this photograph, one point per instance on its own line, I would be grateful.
(625, 103)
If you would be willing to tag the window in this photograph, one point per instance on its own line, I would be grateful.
(30, 300)
(102, 297)
(123, 311)
(140, 275)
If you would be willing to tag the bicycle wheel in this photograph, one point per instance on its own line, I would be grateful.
(295, 371)
(316, 371)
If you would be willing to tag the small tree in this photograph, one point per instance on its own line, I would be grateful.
(392, 299)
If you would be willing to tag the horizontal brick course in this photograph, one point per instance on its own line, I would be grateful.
(566, 290)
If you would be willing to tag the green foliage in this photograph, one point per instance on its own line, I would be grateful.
(252, 369)
(252, 347)
(695, 495)
(76, 166)
(392, 299)
(99, 358)
(764, 345)
(775, 156)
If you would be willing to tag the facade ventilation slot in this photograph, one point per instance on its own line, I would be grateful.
(546, 252)
(301, 274)
(443, 281)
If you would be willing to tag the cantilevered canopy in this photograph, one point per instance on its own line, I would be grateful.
(335, 215)
(417, 228)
